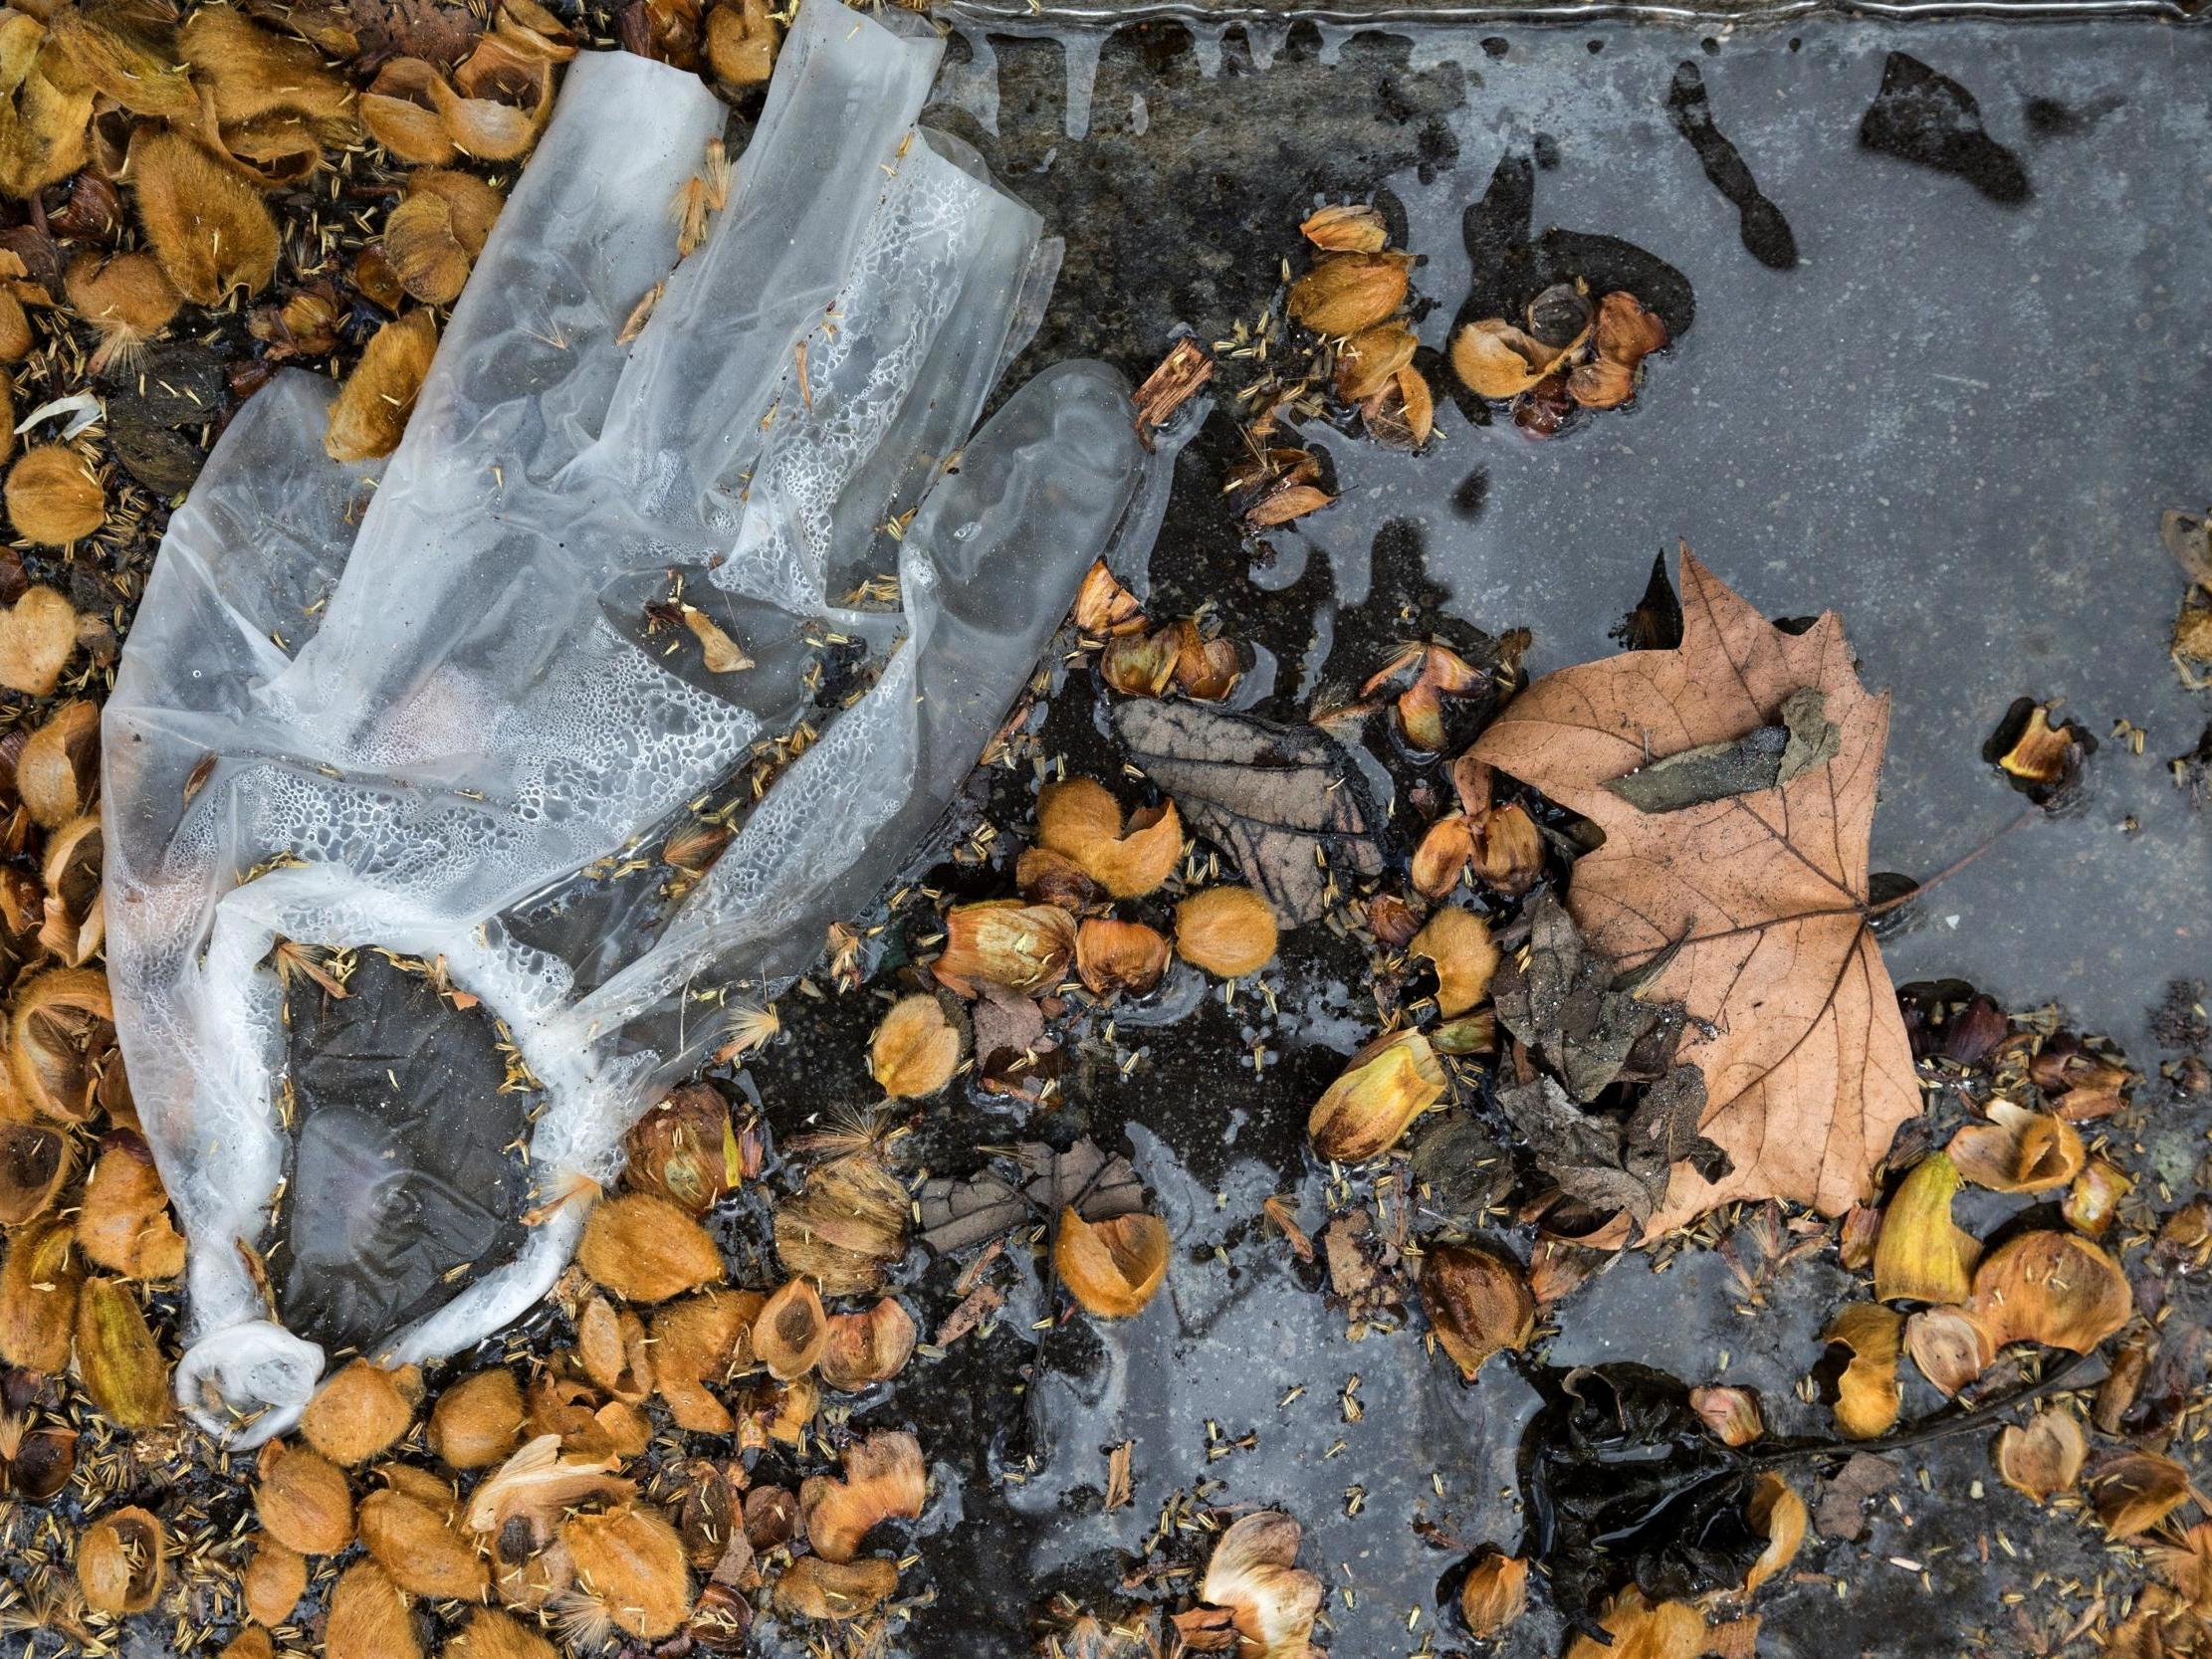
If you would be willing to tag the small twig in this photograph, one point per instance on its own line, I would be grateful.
(1954, 868)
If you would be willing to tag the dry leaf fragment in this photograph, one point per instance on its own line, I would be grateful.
(122, 1563)
(2134, 1491)
(55, 497)
(477, 1420)
(370, 412)
(916, 1050)
(1752, 909)
(1385, 1087)
(1113, 956)
(2017, 1150)
(302, 1499)
(1494, 1593)
(1112, 1266)
(1228, 932)
(1025, 947)
(883, 1480)
(208, 226)
(1345, 293)
(1479, 1304)
(38, 636)
(1253, 1572)
(791, 1331)
(2042, 1458)
(630, 1565)
(1920, 1254)
(2051, 1287)
(117, 1359)
(1349, 229)
(1284, 503)
(645, 1249)
(1081, 820)
(1866, 1393)
(1459, 943)
(717, 652)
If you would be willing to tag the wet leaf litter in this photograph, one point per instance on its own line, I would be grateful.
(1225, 1568)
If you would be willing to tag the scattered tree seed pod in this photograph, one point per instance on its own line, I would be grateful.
(370, 412)
(792, 1332)
(1348, 292)
(1920, 1254)
(274, 1582)
(1025, 947)
(369, 1617)
(207, 224)
(916, 1050)
(38, 1296)
(1949, 1345)
(1479, 1304)
(35, 1164)
(686, 1150)
(1112, 1266)
(1494, 1593)
(1731, 1415)
(1867, 1394)
(883, 1480)
(1459, 943)
(302, 1499)
(630, 1564)
(814, 1588)
(1253, 1572)
(2133, 1491)
(124, 1223)
(253, 1643)
(2054, 1287)
(360, 1411)
(1082, 819)
(1387, 1084)
(38, 636)
(117, 1359)
(698, 1344)
(53, 496)
(492, 1634)
(645, 1249)
(1113, 956)
(1353, 228)
(2018, 1151)
(741, 42)
(127, 298)
(62, 1031)
(56, 775)
(479, 1421)
(1778, 1513)
(1228, 932)
(2043, 1457)
(121, 1563)
(416, 1539)
(865, 1349)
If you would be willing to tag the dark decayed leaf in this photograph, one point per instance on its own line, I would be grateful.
(1604, 1164)
(1098, 1184)
(1841, 1512)
(1290, 805)
(1763, 758)
(1567, 1005)
(1458, 1170)
(957, 1213)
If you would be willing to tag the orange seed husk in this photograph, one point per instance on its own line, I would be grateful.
(53, 496)
(274, 1582)
(1228, 932)
(868, 1348)
(791, 1331)
(123, 1224)
(1384, 1087)
(208, 225)
(1348, 292)
(1779, 1514)
(1459, 943)
(39, 1283)
(1353, 228)
(1920, 1254)
(117, 1359)
(369, 414)
(2043, 1457)
(812, 1587)
(302, 1499)
(883, 1480)
(1731, 1415)
(122, 1563)
(1950, 1345)
(1479, 1304)
(1025, 947)
(1082, 819)
(2093, 1201)
(631, 1561)
(1253, 1572)
(2053, 1287)
(1112, 1266)
(2134, 1491)
(2018, 1151)
(645, 1249)
(1866, 1399)
(1113, 956)
(916, 1050)
(368, 1618)
(1494, 1593)
(479, 1421)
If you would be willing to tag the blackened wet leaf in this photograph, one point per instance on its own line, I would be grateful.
(1098, 1184)
(1663, 1130)
(1458, 1170)
(1657, 622)
(1581, 1150)
(1567, 1005)
(957, 1213)
(1289, 804)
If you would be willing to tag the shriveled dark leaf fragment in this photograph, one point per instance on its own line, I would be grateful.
(1458, 1170)
(1841, 1512)
(1289, 804)
(1566, 1004)
(1763, 758)
(1097, 1185)
(957, 1213)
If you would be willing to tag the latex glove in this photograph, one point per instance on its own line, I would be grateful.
(434, 731)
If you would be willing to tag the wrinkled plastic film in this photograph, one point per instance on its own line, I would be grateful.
(484, 714)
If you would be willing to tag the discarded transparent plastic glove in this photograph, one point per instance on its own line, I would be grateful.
(454, 714)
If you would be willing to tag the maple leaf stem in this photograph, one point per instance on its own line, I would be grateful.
(1954, 867)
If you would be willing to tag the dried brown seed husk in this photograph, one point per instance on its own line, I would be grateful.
(38, 636)
(697, 1343)
(2134, 1491)
(611, 1345)
(710, 1518)
(1866, 1399)
(1459, 943)
(2043, 1457)
(741, 42)
(814, 1588)
(369, 1617)
(121, 1563)
(717, 652)
(58, 768)
(123, 1224)
(117, 1359)
(1082, 819)
(1921, 1254)
(1348, 292)
(1025, 947)
(1351, 228)
(1469, 1034)
(2051, 1287)
(36, 1162)
(845, 1227)
(2092, 1202)
(370, 412)
(916, 1050)
(1507, 850)
(1286, 502)
(207, 223)
(1731, 1415)
(492, 1634)
(1113, 1267)
(1778, 1513)
(1205, 668)
(302, 1499)
(1228, 932)
(494, 128)
(251, 73)
(778, 1413)
(1370, 360)
(868, 1348)
(1628, 331)
(2018, 1151)
(360, 1411)
(416, 1539)
(400, 114)
(1497, 360)
(1140, 664)
(36, 1462)
(1112, 956)
(1404, 413)
(425, 248)
(1600, 383)
(62, 1033)
(1494, 1593)
(1049, 878)
(478, 1421)
(686, 1150)
(74, 924)
(791, 1331)
(1640, 1628)
(538, 1484)
(128, 54)
(274, 1582)
(632, 1563)
(645, 1249)
(2039, 755)
(127, 297)
(1105, 609)
(1253, 1572)
(45, 105)
(1384, 1087)
(884, 1480)
(38, 1283)
(53, 496)
(1950, 1345)
(1477, 1302)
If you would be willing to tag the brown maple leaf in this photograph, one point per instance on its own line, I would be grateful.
(1756, 880)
